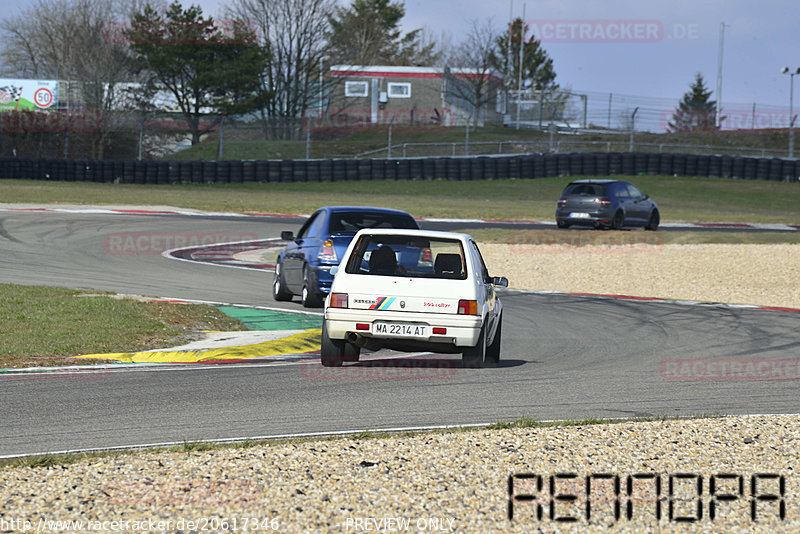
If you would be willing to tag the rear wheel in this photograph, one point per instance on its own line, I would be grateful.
(331, 350)
(350, 352)
(493, 350)
(472, 357)
(279, 291)
(654, 221)
(310, 295)
(618, 221)
(562, 224)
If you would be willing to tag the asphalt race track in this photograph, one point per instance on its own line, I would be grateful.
(564, 356)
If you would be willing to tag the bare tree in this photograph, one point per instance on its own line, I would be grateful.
(70, 40)
(472, 69)
(293, 31)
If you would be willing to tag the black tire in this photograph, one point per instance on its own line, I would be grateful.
(653, 221)
(618, 221)
(350, 352)
(562, 224)
(473, 357)
(309, 295)
(331, 350)
(493, 350)
(279, 291)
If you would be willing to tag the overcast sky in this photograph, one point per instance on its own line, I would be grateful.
(649, 48)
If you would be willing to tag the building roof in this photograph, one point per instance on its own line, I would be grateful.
(393, 71)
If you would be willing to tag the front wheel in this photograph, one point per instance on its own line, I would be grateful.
(562, 224)
(654, 221)
(473, 357)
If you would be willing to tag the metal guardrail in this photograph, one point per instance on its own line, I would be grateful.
(453, 149)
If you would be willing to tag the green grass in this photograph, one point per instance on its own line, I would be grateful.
(44, 326)
(680, 199)
(245, 145)
(248, 143)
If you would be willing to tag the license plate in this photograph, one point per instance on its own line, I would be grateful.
(579, 215)
(400, 329)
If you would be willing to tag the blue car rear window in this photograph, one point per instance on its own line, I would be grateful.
(345, 222)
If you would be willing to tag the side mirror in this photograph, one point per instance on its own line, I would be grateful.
(500, 281)
(334, 270)
(287, 235)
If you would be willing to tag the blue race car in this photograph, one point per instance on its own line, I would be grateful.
(303, 266)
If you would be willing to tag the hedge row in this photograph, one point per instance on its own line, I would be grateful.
(457, 168)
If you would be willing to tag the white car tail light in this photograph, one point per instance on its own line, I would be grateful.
(338, 300)
(467, 307)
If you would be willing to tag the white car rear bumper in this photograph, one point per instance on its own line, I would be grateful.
(461, 330)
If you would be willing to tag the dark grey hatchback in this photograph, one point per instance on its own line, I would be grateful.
(606, 204)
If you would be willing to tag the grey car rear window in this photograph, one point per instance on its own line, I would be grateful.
(585, 189)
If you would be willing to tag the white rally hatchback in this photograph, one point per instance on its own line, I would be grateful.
(412, 290)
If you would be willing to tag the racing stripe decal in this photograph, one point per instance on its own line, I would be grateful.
(382, 303)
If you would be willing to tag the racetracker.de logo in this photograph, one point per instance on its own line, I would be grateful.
(584, 242)
(143, 243)
(390, 369)
(158, 32)
(734, 119)
(730, 369)
(65, 373)
(597, 31)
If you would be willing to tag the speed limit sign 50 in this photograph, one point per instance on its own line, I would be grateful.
(43, 97)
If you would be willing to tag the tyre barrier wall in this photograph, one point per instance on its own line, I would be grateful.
(442, 168)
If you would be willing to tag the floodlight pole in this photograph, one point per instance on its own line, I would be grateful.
(633, 123)
(389, 144)
(719, 74)
(785, 70)
(521, 57)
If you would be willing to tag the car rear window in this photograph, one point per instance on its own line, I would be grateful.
(595, 190)
(350, 222)
(408, 256)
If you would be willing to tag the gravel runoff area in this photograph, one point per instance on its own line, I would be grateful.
(460, 481)
(441, 482)
(764, 275)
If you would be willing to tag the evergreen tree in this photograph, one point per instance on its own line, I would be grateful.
(207, 72)
(367, 33)
(695, 112)
(537, 66)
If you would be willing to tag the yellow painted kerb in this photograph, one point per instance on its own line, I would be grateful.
(306, 341)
